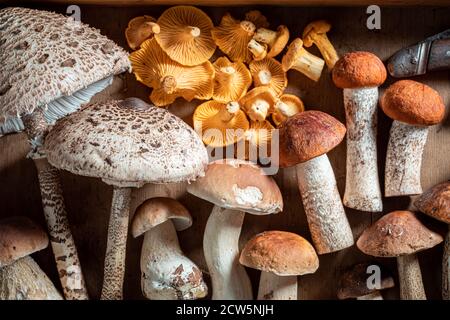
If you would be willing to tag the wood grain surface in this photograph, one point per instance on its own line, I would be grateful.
(88, 200)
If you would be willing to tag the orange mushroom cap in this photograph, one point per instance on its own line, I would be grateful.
(269, 72)
(287, 106)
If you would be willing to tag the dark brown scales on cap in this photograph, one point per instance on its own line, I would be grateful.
(413, 102)
(307, 135)
(435, 202)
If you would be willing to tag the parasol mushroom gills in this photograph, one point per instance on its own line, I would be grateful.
(435, 203)
(231, 80)
(269, 72)
(127, 144)
(234, 187)
(167, 274)
(258, 50)
(353, 282)
(168, 78)
(258, 103)
(281, 256)
(140, 29)
(46, 76)
(21, 278)
(185, 35)
(360, 74)
(305, 138)
(297, 58)
(400, 234)
(413, 106)
(286, 106)
(257, 141)
(220, 124)
(316, 33)
(275, 40)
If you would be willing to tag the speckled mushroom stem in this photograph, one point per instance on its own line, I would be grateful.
(362, 187)
(114, 270)
(273, 287)
(371, 296)
(410, 277)
(446, 268)
(404, 159)
(221, 248)
(328, 224)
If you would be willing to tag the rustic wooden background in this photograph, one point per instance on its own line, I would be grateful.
(88, 200)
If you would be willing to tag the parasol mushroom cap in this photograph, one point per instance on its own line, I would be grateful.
(396, 234)
(269, 72)
(231, 80)
(279, 252)
(140, 29)
(258, 102)
(238, 185)
(168, 78)
(276, 40)
(286, 106)
(126, 143)
(435, 202)
(413, 102)
(20, 237)
(156, 211)
(315, 27)
(186, 35)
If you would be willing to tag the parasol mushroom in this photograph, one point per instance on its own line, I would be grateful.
(167, 274)
(140, 29)
(413, 106)
(275, 40)
(46, 75)
(269, 72)
(286, 106)
(316, 33)
(231, 80)
(125, 143)
(258, 102)
(234, 187)
(360, 74)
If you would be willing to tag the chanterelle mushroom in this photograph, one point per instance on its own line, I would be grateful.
(140, 29)
(258, 50)
(257, 141)
(269, 72)
(258, 102)
(45, 75)
(127, 144)
(276, 40)
(20, 276)
(167, 274)
(360, 74)
(286, 106)
(234, 187)
(316, 33)
(231, 80)
(299, 59)
(413, 106)
(400, 234)
(281, 256)
(305, 138)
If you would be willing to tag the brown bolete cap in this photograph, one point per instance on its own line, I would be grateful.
(413, 102)
(396, 234)
(20, 237)
(435, 202)
(359, 69)
(307, 135)
(239, 185)
(353, 281)
(158, 210)
(282, 253)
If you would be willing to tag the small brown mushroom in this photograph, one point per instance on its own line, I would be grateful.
(316, 33)
(269, 72)
(140, 29)
(275, 40)
(299, 59)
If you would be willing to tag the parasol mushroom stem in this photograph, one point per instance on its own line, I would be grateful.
(410, 277)
(274, 287)
(446, 268)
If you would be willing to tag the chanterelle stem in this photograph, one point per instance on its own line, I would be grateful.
(326, 50)
(446, 268)
(410, 276)
(273, 287)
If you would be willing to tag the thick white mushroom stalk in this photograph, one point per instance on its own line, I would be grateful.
(410, 276)
(446, 268)
(274, 287)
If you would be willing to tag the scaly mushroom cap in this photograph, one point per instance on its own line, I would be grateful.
(258, 135)
(396, 234)
(46, 56)
(277, 43)
(279, 252)
(140, 29)
(307, 135)
(413, 102)
(186, 35)
(169, 79)
(359, 69)
(315, 27)
(286, 106)
(257, 18)
(435, 202)
(158, 210)
(258, 102)
(231, 80)
(220, 124)
(238, 185)
(269, 72)
(20, 237)
(126, 143)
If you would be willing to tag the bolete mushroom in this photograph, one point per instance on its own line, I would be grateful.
(167, 274)
(21, 278)
(400, 234)
(46, 75)
(269, 72)
(281, 256)
(286, 106)
(234, 187)
(231, 80)
(125, 143)
(140, 29)
(258, 102)
(297, 58)
(170, 79)
(435, 202)
(305, 138)
(185, 35)
(360, 74)
(275, 40)
(413, 106)
(316, 33)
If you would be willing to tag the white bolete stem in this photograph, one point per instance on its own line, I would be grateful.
(410, 277)
(376, 295)
(274, 287)
(446, 268)
(362, 187)
(328, 224)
